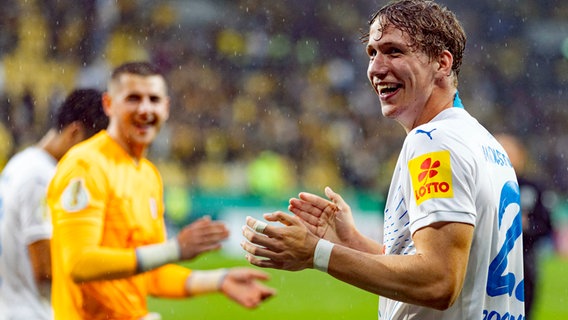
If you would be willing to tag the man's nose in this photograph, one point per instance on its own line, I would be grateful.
(378, 67)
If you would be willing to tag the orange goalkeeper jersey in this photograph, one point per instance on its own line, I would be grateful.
(104, 204)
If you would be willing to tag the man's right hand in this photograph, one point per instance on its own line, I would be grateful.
(201, 236)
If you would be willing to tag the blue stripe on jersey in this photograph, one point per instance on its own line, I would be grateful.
(457, 101)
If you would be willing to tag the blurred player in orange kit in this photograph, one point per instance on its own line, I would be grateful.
(110, 248)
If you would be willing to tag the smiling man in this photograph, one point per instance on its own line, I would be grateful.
(109, 240)
(452, 237)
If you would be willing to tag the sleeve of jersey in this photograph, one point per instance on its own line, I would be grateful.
(36, 224)
(168, 281)
(441, 177)
(76, 200)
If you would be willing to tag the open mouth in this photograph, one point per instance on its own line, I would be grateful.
(387, 89)
(144, 126)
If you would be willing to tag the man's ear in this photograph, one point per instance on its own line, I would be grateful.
(76, 131)
(107, 103)
(445, 63)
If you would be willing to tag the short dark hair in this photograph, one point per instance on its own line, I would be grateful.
(85, 106)
(141, 68)
(432, 28)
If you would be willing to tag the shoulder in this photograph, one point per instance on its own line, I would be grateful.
(150, 169)
(90, 152)
(29, 165)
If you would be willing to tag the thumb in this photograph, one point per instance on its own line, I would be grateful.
(333, 196)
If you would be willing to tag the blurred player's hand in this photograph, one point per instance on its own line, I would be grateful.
(201, 236)
(242, 285)
(329, 219)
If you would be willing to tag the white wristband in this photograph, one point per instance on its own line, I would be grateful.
(322, 255)
(156, 255)
(200, 282)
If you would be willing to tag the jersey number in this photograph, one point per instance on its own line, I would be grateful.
(499, 283)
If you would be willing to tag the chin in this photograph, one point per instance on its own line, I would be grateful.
(389, 111)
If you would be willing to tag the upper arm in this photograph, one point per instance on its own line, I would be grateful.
(446, 245)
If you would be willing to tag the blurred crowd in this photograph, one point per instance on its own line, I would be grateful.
(272, 96)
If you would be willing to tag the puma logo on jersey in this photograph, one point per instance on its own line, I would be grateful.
(428, 133)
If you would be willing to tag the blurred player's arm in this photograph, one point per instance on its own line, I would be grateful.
(241, 285)
(78, 201)
(40, 258)
(86, 260)
(36, 226)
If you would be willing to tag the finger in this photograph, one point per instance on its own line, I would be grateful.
(210, 241)
(257, 239)
(309, 214)
(258, 251)
(209, 236)
(262, 263)
(306, 206)
(284, 218)
(210, 247)
(212, 232)
(256, 225)
(259, 226)
(257, 275)
(335, 197)
(313, 199)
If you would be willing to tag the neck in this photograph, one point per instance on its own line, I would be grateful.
(435, 104)
(51, 143)
(136, 151)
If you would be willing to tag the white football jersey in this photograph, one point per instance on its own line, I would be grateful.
(24, 219)
(453, 170)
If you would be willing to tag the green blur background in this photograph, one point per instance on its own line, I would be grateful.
(313, 295)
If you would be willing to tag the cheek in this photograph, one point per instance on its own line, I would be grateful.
(165, 114)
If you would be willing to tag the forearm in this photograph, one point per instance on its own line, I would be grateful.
(411, 278)
(168, 281)
(40, 259)
(100, 263)
(360, 242)
(432, 277)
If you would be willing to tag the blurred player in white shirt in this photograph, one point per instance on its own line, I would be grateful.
(25, 224)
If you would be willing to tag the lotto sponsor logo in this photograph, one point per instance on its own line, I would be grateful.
(431, 176)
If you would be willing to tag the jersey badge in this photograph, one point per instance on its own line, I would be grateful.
(75, 197)
(431, 176)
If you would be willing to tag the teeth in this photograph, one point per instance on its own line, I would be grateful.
(390, 87)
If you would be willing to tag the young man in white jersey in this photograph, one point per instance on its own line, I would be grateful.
(452, 237)
(25, 225)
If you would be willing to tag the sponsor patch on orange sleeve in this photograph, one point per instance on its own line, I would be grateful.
(431, 175)
(75, 197)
